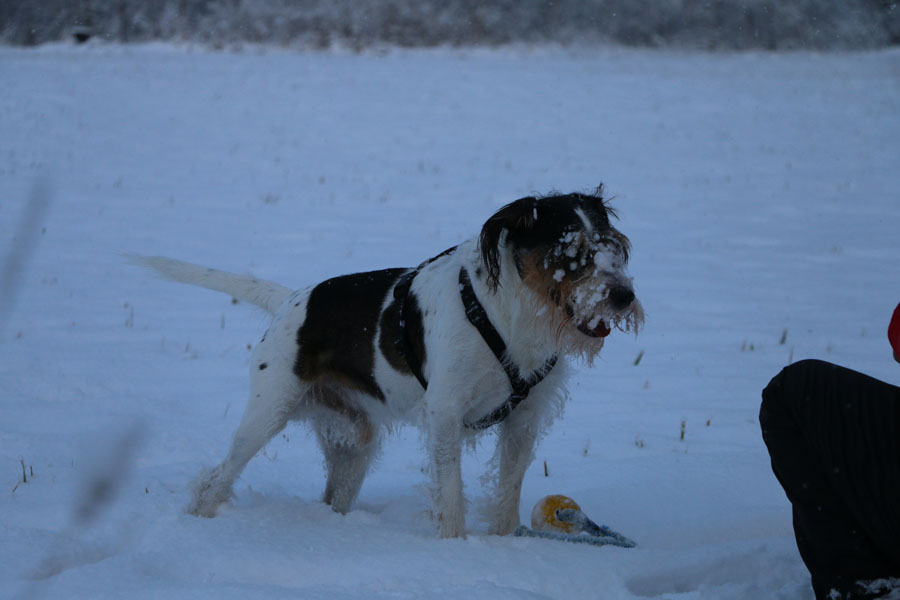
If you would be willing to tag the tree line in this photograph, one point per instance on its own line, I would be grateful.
(360, 24)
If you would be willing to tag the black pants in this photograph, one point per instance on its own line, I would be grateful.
(834, 438)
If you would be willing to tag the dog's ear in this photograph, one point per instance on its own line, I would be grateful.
(516, 218)
(599, 202)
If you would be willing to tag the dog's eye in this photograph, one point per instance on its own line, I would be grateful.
(606, 261)
(612, 247)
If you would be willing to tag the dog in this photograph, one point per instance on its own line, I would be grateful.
(476, 338)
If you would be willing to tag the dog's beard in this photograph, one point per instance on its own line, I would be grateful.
(562, 323)
(588, 308)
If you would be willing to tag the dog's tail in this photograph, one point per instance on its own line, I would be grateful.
(265, 294)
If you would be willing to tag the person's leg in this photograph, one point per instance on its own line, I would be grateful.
(834, 438)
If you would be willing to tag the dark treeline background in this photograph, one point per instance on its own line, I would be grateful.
(359, 24)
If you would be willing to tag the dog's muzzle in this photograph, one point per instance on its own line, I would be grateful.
(601, 330)
(619, 299)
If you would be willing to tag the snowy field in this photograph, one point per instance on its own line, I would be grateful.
(759, 192)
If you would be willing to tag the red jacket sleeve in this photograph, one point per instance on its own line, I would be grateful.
(894, 333)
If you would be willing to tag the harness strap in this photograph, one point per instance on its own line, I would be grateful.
(520, 387)
(401, 293)
(477, 317)
(401, 342)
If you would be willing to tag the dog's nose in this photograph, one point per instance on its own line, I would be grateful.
(621, 297)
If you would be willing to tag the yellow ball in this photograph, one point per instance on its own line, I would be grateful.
(543, 517)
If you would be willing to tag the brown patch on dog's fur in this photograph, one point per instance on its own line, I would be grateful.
(336, 339)
(540, 280)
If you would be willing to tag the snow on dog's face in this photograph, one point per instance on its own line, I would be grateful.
(572, 260)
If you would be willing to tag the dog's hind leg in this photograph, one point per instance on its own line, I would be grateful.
(266, 414)
(347, 461)
(349, 442)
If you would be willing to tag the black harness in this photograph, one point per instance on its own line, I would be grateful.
(478, 318)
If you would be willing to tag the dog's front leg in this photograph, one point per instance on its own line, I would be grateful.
(445, 450)
(518, 434)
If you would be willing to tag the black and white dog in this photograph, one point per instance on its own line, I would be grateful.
(473, 338)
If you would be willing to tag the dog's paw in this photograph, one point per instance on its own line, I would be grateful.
(503, 527)
(204, 506)
(453, 526)
(198, 508)
(209, 492)
(502, 515)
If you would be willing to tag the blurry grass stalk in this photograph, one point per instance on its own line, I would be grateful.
(22, 245)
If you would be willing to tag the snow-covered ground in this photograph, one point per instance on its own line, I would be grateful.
(759, 192)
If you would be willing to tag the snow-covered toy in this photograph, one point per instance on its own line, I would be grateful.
(558, 517)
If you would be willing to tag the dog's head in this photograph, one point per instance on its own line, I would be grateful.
(564, 250)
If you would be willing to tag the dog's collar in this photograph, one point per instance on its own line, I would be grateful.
(479, 319)
(520, 387)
